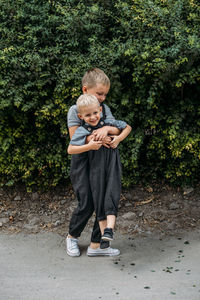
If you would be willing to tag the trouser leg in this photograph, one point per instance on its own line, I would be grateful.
(96, 232)
(97, 181)
(105, 181)
(113, 180)
(79, 173)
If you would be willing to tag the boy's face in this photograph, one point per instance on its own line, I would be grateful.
(100, 91)
(91, 114)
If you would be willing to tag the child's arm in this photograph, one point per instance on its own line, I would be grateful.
(118, 138)
(92, 145)
(72, 131)
(73, 121)
(100, 134)
(78, 142)
(114, 127)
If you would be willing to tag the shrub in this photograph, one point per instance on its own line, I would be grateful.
(150, 50)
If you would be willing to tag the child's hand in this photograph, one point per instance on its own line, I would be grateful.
(106, 141)
(88, 138)
(115, 141)
(100, 134)
(94, 145)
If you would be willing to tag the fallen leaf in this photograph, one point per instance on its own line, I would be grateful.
(11, 218)
(145, 201)
(173, 293)
(149, 189)
(187, 243)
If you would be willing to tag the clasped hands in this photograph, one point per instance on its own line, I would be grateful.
(101, 135)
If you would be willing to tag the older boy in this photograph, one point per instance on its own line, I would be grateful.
(95, 82)
(105, 166)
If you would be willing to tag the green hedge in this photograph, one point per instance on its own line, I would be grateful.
(151, 52)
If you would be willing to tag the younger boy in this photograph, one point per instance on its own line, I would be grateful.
(105, 166)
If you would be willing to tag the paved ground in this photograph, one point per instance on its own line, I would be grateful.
(37, 267)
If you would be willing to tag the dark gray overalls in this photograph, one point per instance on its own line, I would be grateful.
(96, 179)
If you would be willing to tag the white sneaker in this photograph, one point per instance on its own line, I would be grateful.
(72, 247)
(103, 252)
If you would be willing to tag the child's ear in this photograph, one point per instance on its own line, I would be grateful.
(100, 107)
(84, 89)
(80, 116)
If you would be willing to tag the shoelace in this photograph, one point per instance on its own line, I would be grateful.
(73, 244)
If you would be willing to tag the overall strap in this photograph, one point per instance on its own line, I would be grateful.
(103, 111)
(91, 128)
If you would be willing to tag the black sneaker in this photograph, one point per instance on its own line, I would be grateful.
(104, 244)
(108, 234)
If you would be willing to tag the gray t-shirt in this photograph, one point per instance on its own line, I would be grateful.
(73, 119)
(81, 133)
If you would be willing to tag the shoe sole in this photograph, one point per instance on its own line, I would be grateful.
(105, 238)
(102, 254)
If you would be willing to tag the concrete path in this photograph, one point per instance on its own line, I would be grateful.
(37, 267)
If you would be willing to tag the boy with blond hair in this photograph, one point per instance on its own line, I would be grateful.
(94, 82)
(105, 166)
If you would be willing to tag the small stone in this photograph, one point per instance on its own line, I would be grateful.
(129, 196)
(128, 204)
(57, 223)
(174, 206)
(171, 226)
(148, 232)
(63, 201)
(126, 223)
(139, 230)
(33, 220)
(17, 198)
(141, 214)
(129, 215)
(187, 191)
(198, 204)
(4, 220)
(35, 196)
(30, 227)
(1, 224)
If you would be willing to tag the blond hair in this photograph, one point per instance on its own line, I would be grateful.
(86, 100)
(94, 76)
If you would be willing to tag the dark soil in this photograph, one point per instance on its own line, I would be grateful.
(142, 210)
